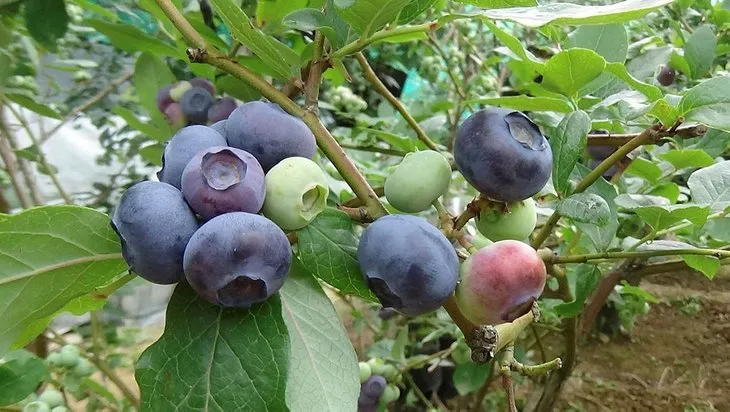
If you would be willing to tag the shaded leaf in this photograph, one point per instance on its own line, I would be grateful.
(20, 374)
(586, 208)
(685, 158)
(634, 201)
(699, 51)
(328, 247)
(710, 186)
(644, 169)
(567, 143)
(586, 279)
(129, 38)
(708, 103)
(33, 106)
(46, 20)
(215, 359)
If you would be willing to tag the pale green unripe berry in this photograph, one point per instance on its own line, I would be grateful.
(377, 366)
(180, 88)
(52, 398)
(417, 181)
(60, 409)
(389, 372)
(390, 394)
(83, 368)
(516, 222)
(70, 355)
(296, 192)
(365, 371)
(37, 406)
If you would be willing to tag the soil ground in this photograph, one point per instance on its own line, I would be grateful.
(675, 359)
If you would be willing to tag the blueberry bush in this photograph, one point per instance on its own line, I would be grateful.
(461, 180)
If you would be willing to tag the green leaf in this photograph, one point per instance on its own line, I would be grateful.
(33, 106)
(586, 208)
(515, 45)
(714, 142)
(211, 358)
(627, 289)
(327, 248)
(699, 51)
(20, 374)
(586, 279)
(684, 158)
(570, 70)
(708, 103)
(283, 60)
(526, 103)
(139, 125)
(669, 191)
(414, 9)
(323, 366)
(470, 376)
(664, 112)
(498, 4)
(644, 169)
(631, 201)
(567, 143)
(619, 70)
(608, 40)
(269, 13)
(576, 14)
(152, 154)
(708, 265)
(336, 30)
(367, 16)
(601, 236)
(129, 38)
(710, 186)
(151, 74)
(49, 256)
(46, 20)
(661, 217)
(236, 88)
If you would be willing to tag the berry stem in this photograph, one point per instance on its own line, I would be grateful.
(717, 253)
(203, 53)
(372, 77)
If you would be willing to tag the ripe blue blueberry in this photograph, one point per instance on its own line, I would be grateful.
(220, 127)
(370, 392)
(503, 154)
(154, 224)
(203, 83)
(222, 179)
(237, 259)
(408, 264)
(221, 109)
(269, 133)
(185, 144)
(195, 104)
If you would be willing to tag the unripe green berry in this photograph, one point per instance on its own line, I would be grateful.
(54, 359)
(365, 371)
(52, 397)
(515, 223)
(37, 406)
(389, 395)
(296, 192)
(389, 372)
(83, 368)
(420, 179)
(69, 356)
(377, 366)
(60, 409)
(180, 88)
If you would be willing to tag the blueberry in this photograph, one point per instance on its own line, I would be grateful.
(237, 259)
(418, 180)
(70, 355)
(203, 83)
(52, 397)
(37, 406)
(222, 179)
(365, 371)
(408, 264)
(175, 116)
(503, 154)
(296, 192)
(269, 133)
(371, 390)
(387, 313)
(183, 146)
(154, 225)
(666, 75)
(220, 127)
(195, 104)
(163, 98)
(221, 109)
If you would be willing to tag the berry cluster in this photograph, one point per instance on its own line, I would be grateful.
(378, 385)
(202, 222)
(413, 268)
(192, 102)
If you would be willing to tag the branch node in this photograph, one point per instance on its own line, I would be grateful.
(196, 55)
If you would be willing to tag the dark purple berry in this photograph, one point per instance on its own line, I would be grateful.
(163, 98)
(175, 116)
(666, 75)
(195, 104)
(222, 179)
(221, 109)
(203, 83)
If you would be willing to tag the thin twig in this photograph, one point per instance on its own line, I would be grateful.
(373, 78)
(87, 104)
(24, 165)
(311, 89)
(8, 158)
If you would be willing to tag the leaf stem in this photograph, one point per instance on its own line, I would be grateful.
(361, 44)
(373, 78)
